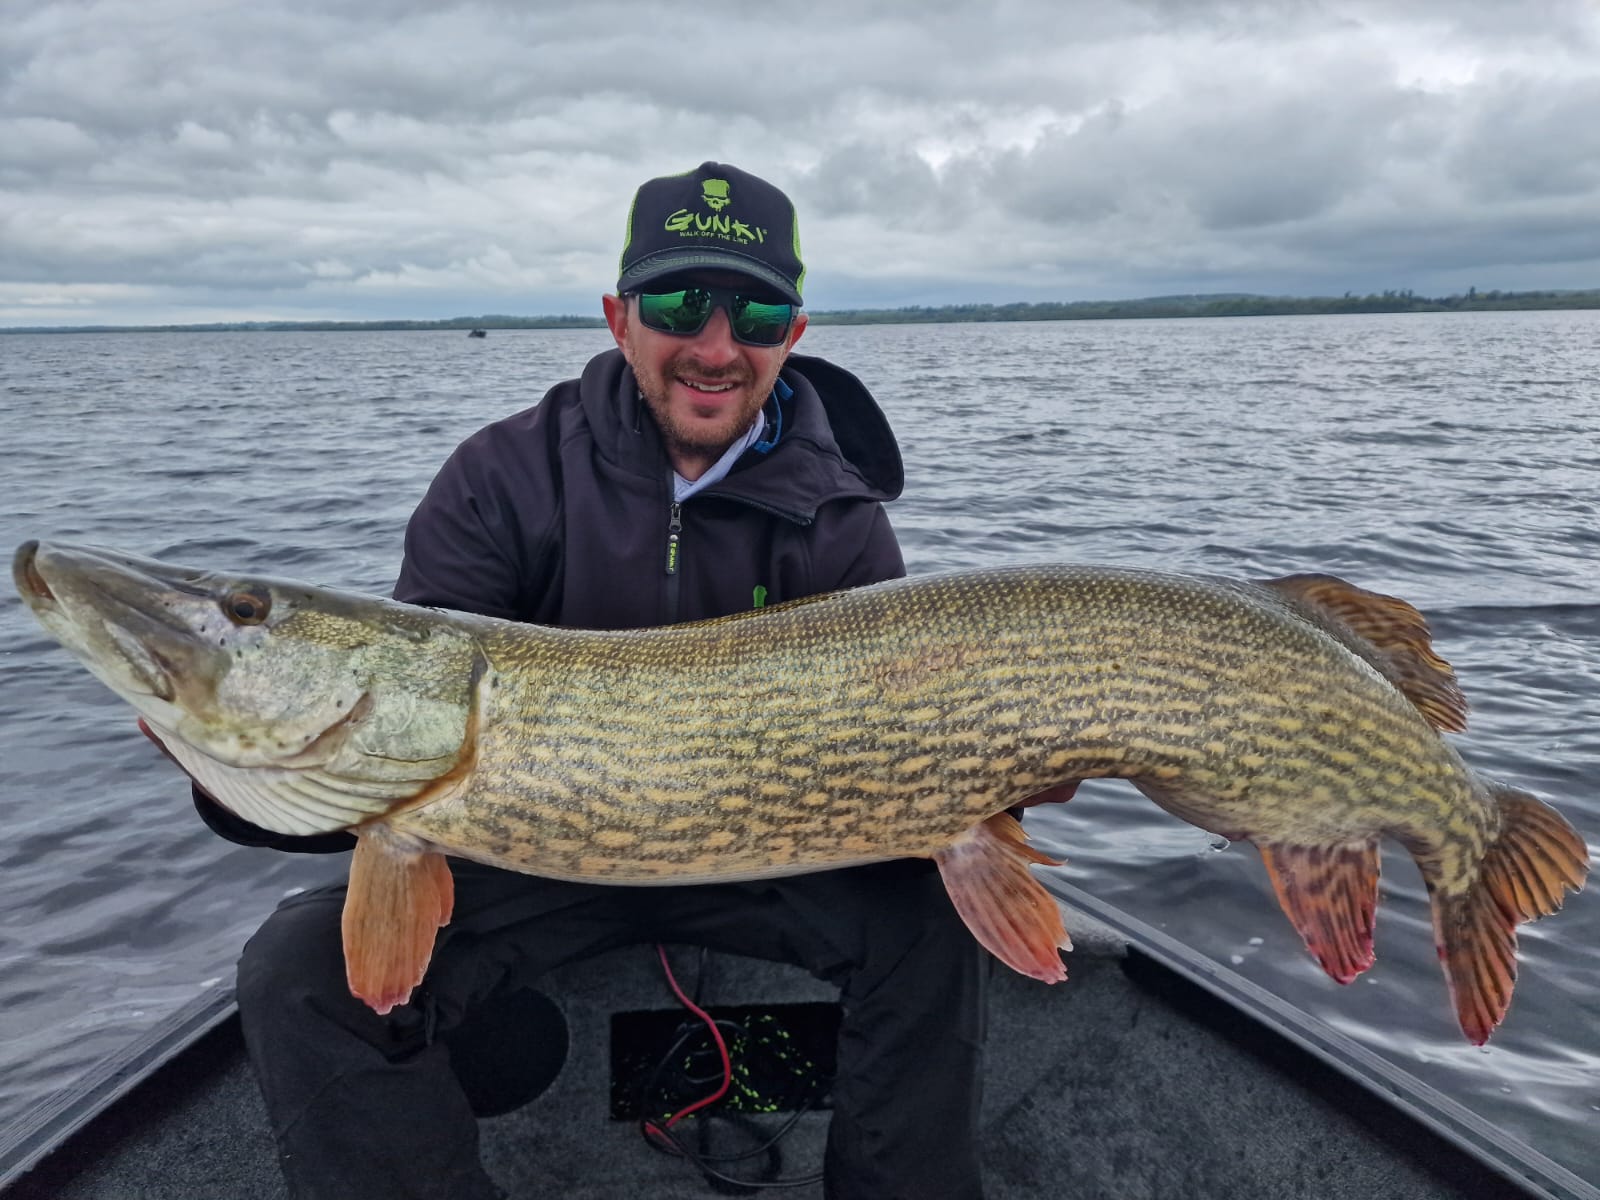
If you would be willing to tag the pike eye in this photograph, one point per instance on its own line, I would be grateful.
(246, 608)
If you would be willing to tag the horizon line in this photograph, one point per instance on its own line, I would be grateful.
(1186, 304)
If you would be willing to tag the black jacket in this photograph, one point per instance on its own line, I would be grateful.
(561, 515)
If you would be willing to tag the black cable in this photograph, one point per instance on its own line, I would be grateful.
(702, 1164)
(664, 1140)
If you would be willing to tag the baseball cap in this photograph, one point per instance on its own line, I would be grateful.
(715, 217)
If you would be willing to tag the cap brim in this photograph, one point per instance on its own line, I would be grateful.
(674, 262)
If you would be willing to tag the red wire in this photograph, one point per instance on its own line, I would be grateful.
(716, 1036)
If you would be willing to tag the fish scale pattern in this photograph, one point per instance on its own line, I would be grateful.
(886, 720)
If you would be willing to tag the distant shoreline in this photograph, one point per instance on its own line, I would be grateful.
(1150, 308)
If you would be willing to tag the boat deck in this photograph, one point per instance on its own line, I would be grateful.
(1116, 1084)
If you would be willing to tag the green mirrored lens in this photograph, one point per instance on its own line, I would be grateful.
(685, 312)
(755, 321)
(682, 311)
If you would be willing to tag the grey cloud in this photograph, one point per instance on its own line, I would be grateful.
(885, 183)
(1525, 139)
(396, 151)
(1226, 157)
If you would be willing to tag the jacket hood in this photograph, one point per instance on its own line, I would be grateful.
(835, 442)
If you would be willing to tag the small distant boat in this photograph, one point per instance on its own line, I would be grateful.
(479, 333)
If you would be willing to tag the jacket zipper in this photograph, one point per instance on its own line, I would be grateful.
(674, 559)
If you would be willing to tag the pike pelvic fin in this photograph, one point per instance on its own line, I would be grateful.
(1526, 873)
(1330, 895)
(1395, 640)
(401, 893)
(986, 873)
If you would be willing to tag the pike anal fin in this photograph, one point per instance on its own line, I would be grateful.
(986, 873)
(1526, 873)
(1330, 895)
(401, 893)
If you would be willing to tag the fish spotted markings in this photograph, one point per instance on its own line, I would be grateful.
(658, 754)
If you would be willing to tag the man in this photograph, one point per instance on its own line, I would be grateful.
(696, 470)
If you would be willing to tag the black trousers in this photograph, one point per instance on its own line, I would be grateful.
(368, 1106)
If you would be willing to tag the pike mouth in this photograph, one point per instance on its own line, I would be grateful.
(30, 583)
(102, 630)
(149, 665)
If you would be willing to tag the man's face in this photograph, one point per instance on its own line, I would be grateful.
(704, 391)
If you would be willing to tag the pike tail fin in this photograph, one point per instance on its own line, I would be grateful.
(401, 893)
(986, 873)
(1330, 895)
(1526, 873)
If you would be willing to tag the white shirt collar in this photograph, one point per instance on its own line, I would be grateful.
(683, 488)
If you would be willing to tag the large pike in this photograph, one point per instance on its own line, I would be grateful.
(906, 718)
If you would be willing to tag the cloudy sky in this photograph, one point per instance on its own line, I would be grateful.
(182, 160)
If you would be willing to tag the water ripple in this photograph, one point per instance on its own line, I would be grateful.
(1453, 460)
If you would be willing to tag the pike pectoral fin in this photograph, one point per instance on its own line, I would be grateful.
(401, 893)
(1526, 873)
(986, 873)
(1330, 895)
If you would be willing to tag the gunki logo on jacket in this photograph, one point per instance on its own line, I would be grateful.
(717, 223)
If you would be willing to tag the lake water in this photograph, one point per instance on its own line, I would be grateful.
(1453, 459)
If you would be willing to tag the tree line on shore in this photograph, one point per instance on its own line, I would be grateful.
(1148, 308)
(1224, 305)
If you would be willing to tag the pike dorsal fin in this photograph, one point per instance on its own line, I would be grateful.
(1394, 636)
(985, 870)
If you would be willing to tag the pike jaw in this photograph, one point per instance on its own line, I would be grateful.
(302, 710)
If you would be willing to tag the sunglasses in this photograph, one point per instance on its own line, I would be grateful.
(686, 311)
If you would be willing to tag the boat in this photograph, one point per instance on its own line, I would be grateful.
(479, 333)
(1152, 1072)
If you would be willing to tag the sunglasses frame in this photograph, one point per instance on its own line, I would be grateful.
(723, 298)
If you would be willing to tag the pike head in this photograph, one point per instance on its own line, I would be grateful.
(301, 709)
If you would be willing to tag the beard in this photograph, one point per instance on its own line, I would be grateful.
(686, 432)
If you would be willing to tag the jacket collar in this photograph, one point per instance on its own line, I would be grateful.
(836, 443)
